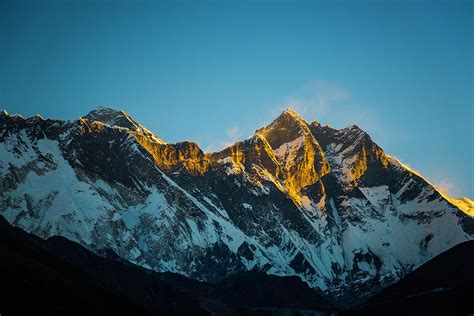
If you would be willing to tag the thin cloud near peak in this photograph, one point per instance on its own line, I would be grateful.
(316, 96)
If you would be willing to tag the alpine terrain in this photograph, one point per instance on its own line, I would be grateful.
(326, 205)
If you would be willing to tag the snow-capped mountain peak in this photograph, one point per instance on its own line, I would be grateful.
(109, 116)
(113, 117)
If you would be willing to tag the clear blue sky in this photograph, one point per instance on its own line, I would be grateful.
(214, 73)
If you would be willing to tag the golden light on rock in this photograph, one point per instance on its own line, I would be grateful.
(285, 153)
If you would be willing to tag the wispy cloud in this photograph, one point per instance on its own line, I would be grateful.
(316, 97)
(331, 104)
(446, 186)
(232, 135)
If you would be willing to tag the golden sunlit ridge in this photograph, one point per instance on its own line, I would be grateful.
(464, 204)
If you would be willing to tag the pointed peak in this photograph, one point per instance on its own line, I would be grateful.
(35, 118)
(356, 131)
(289, 118)
(285, 128)
(291, 114)
(4, 114)
(290, 111)
(353, 127)
(112, 117)
(103, 112)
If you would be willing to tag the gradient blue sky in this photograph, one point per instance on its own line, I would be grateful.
(214, 73)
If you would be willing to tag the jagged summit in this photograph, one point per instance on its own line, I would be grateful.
(290, 115)
(287, 127)
(104, 109)
(5, 114)
(292, 112)
(113, 117)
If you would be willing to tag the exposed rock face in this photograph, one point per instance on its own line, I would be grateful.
(323, 204)
(176, 157)
(284, 153)
(352, 154)
(297, 151)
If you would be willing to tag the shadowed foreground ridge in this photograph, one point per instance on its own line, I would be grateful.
(57, 276)
(327, 206)
(444, 285)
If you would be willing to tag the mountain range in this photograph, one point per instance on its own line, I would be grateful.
(327, 206)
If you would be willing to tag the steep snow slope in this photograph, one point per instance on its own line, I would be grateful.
(295, 199)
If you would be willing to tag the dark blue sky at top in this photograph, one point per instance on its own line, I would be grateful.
(214, 72)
